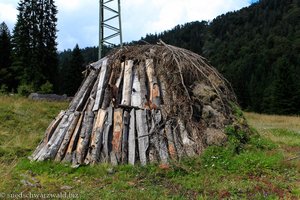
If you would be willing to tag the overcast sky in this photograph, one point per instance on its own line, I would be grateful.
(78, 19)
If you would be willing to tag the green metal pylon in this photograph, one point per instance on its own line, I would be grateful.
(105, 24)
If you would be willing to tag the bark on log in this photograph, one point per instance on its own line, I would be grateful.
(126, 120)
(127, 86)
(163, 149)
(171, 142)
(52, 146)
(132, 139)
(155, 117)
(48, 134)
(97, 138)
(188, 144)
(142, 132)
(117, 92)
(116, 152)
(67, 138)
(107, 136)
(136, 95)
(153, 84)
(85, 133)
(143, 80)
(101, 85)
(107, 98)
(178, 142)
(73, 142)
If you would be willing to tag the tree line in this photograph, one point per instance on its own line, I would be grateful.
(256, 48)
(29, 60)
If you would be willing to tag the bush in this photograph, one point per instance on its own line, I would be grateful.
(237, 137)
(3, 89)
(25, 89)
(46, 88)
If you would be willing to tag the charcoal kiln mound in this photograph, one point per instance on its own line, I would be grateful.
(139, 105)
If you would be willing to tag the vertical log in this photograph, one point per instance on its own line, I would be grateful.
(107, 98)
(127, 86)
(85, 133)
(97, 138)
(101, 85)
(186, 141)
(155, 117)
(170, 138)
(163, 149)
(153, 84)
(107, 134)
(126, 120)
(142, 132)
(74, 140)
(132, 139)
(116, 153)
(67, 138)
(157, 136)
(143, 84)
(167, 99)
(136, 96)
(178, 142)
(117, 92)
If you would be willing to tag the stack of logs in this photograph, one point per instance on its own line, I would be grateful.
(116, 117)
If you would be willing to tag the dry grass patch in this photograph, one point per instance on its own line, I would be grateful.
(262, 121)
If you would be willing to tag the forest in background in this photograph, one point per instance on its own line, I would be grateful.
(256, 48)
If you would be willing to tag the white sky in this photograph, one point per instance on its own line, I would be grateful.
(78, 19)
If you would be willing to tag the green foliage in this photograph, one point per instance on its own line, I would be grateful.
(46, 88)
(258, 142)
(72, 72)
(237, 137)
(3, 89)
(236, 110)
(34, 46)
(259, 171)
(25, 89)
(5, 56)
(249, 47)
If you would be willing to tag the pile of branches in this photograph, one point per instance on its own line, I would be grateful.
(142, 104)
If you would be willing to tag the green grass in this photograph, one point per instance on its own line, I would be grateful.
(260, 170)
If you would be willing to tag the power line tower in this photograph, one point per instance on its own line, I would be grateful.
(109, 23)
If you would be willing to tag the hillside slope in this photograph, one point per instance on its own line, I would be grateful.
(257, 49)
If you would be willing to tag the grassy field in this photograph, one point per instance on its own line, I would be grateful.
(262, 169)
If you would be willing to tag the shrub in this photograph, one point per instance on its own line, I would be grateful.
(25, 89)
(46, 88)
(3, 89)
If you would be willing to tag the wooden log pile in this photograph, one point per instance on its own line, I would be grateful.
(141, 104)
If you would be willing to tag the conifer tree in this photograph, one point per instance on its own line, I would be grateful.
(5, 56)
(34, 46)
(73, 72)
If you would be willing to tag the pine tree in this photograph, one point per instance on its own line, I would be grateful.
(47, 44)
(284, 92)
(73, 72)
(5, 56)
(35, 57)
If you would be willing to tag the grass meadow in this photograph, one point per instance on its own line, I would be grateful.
(266, 168)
